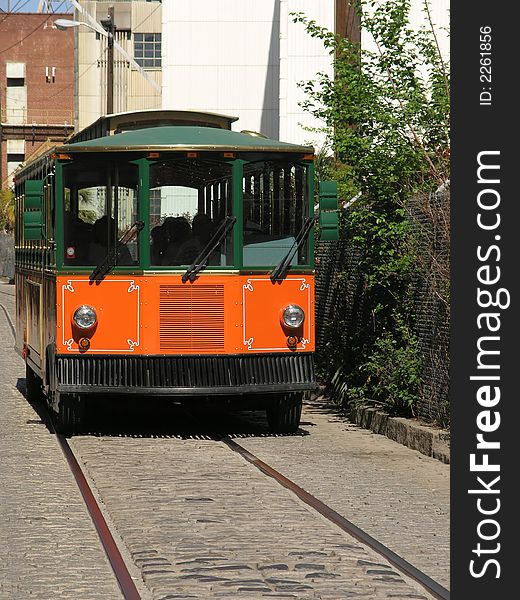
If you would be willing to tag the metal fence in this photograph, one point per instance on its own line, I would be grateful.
(430, 219)
(340, 297)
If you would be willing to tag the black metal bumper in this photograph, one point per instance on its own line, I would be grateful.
(186, 375)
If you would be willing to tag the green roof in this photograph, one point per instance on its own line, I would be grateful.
(182, 138)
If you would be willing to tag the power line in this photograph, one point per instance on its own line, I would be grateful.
(57, 10)
(13, 8)
(7, 13)
(17, 8)
(33, 31)
(28, 35)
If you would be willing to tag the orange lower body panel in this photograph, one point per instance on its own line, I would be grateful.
(160, 315)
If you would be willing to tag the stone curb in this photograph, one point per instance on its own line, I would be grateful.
(426, 439)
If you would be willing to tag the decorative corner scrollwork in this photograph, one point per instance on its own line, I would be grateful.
(249, 343)
(132, 287)
(248, 285)
(69, 343)
(131, 344)
(304, 343)
(304, 286)
(69, 286)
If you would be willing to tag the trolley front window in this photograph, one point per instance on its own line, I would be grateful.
(189, 200)
(100, 205)
(276, 206)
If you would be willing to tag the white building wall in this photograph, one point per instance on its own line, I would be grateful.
(306, 56)
(244, 58)
(222, 56)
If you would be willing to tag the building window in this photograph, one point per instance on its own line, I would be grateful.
(147, 49)
(15, 94)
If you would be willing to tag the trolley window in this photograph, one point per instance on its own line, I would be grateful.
(189, 199)
(100, 205)
(275, 208)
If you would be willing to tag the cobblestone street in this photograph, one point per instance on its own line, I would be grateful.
(195, 520)
(49, 547)
(397, 495)
(201, 522)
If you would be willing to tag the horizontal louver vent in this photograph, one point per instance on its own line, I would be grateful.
(185, 371)
(192, 317)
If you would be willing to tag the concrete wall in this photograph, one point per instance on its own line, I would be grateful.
(244, 58)
(223, 57)
(304, 57)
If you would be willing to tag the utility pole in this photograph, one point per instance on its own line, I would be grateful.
(108, 25)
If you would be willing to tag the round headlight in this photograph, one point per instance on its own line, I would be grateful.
(293, 316)
(85, 316)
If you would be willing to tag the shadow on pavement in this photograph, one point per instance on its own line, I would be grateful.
(39, 408)
(323, 406)
(156, 417)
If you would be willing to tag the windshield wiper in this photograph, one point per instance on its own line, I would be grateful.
(201, 261)
(280, 271)
(111, 258)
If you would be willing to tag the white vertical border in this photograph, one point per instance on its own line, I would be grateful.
(131, 288)
(250, 341)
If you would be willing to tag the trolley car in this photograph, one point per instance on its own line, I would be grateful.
(160, 252)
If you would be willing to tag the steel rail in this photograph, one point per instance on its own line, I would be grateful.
(434, 588)
(123, 577)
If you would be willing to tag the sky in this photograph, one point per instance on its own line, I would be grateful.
(32, 5)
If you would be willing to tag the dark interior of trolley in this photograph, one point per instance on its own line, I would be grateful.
(184, 203)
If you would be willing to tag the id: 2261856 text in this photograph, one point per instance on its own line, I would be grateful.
(486, 56)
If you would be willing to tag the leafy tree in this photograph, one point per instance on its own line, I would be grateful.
(6, 210)
(387, 112)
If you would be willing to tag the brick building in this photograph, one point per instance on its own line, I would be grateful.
(36, 87)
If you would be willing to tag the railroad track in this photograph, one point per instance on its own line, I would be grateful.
(434, 588)
(121, 571)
